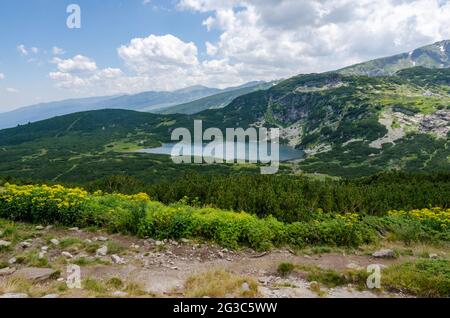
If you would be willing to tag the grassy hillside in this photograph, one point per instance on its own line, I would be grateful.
(213, 102)
(348, 126)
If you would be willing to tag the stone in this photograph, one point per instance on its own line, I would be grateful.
(51, 296)
(245, 287)
(14, 295)
(433, 255)
(183, 240)
(7, 271)
(35, 274)
(44, 248)
(42, 254)
(354, 266)
(220, 254)
(102, 251)
(159, 243)
(49, 227)
(117, 259)
(101, 239)
(385, 253)
(119, 294)
(12, 260)
(4, 243)
(74, 229)
(54, 241)
(39, 227)
(67, 254)
(25, 244)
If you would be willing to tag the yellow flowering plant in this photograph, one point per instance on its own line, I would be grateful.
(435, 217)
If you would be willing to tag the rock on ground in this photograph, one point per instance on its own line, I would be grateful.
(35, 274)
(385, 253)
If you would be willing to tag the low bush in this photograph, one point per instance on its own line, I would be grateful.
(137, 214)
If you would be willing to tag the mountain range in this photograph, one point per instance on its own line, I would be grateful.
(146, 102)
(348, 124)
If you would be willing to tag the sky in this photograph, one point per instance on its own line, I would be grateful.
(130, 46)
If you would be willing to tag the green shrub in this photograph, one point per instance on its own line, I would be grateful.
(284, 269)
(136, 214)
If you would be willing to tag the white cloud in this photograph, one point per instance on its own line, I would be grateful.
(35, 50)
(2, 76)
(22, 50)
(12, 90)
(81, 74)
(158, 52)
(145, 2)
(77, 64)
(57, 51)
(278, 38)
(264, 40)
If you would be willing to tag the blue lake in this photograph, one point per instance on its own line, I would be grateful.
(286, 153)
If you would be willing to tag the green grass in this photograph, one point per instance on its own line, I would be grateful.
(424, 278)
(328, 277)
(284, 269)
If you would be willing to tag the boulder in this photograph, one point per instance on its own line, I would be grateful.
(14, 295)
(54, 241)
(7, 271)
(25, 244)
(117, 259)
(4, 243)
(245, 287)
(384, 253)
(354, 266)
(67, 254)
(102, 251)
(35, 274)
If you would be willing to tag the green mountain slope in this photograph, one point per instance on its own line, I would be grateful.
(147, 101)
(348, 126)
(436, 55)
(215, 101)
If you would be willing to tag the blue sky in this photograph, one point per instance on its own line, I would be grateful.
(128, 46)
(106, 24)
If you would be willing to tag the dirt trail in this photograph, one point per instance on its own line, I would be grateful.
(162, 267)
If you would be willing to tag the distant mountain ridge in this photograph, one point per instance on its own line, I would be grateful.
(216, 101)
(146, 101)
(436, 55)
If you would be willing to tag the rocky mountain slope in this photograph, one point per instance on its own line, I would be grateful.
(436, 55)
(348, 125)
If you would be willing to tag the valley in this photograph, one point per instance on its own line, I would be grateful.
(363, 180)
